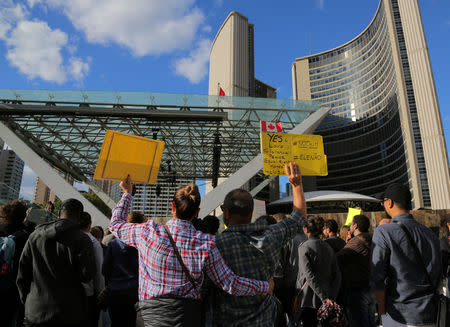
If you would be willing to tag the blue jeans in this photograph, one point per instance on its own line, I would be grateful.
(360, 307)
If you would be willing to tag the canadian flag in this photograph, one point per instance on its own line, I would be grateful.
(271, 127)
(221, 92)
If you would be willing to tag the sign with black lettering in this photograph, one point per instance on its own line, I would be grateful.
(306, 150)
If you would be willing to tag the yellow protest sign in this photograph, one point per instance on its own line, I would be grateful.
(352, 212)
(306, 150)
(123, 154)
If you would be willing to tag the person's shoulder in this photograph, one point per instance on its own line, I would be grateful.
(386, 229)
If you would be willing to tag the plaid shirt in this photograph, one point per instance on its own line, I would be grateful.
(251, 250)
(160, 273)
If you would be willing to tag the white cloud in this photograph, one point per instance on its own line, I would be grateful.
(26, 192)
(320, 4)
(195, 66)
(78, 68)
(143, 26)
(28, 172)
(9, 14)
(28, 182)
(206, 29)
(35, 49)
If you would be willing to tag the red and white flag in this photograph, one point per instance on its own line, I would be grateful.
(271, 127)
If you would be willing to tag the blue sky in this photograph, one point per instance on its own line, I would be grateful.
(163, 46)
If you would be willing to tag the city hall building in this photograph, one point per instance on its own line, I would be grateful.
(384, 125)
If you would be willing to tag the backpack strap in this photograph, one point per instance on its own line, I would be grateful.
(416, 252)
(180, 260)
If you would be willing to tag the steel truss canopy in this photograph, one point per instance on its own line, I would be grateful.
(67, 128)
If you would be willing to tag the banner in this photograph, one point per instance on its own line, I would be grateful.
(306, 150)
(124, 154)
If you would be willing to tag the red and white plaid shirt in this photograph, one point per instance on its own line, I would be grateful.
(160, 273)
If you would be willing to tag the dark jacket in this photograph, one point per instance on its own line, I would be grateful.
(336, 243)
(54, 262)
(318, 267)
(287, 271)
(121, 267)
(354, 261)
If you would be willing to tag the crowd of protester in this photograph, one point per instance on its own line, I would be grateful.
(280, 270)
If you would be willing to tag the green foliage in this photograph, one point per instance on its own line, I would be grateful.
(98, 203)
(57, 205)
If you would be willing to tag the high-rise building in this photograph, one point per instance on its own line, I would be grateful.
(232, 61)
(232, 69)
(155, 201)
(385, 124)
(111, 188)
(11, 171)
(43, 194)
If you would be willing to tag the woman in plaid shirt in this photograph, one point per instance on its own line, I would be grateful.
(169, 295)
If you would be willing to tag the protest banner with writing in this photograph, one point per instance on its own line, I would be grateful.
(352, 212)
(124, 154)
(306, 150)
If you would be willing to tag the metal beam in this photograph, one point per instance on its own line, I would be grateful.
(262, 185)
(154, 115)
(50, 177)
(215, 197)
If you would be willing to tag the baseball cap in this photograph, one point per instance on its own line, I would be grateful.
(398, 193)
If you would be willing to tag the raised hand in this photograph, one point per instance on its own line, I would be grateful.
(293, 173)
(126, 185)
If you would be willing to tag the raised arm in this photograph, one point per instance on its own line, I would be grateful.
(295, 178)
(127, 232)
(227, 280)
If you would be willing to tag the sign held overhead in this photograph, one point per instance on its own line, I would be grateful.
(306, 150)
(124, 154)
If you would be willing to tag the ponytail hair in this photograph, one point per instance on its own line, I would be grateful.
(187, 201)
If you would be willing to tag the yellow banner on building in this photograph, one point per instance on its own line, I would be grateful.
(352, 212)
(124, 154)
(306, 150)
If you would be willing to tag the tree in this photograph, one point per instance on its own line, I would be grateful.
(98, 203)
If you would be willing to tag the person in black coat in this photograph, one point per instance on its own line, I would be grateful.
(56, 259)
(121, 271)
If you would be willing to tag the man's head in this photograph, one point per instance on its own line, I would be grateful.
(270, 220)
(211, 224)
(71, 209)
(396, 199)
(13, 212)
(279, 217)
(314, 226)
(360, 224)
(237, 207)
(331, 228)
(97, 232)
(136, 217)
(85, 221)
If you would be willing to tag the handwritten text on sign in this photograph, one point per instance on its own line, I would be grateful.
(306, 150)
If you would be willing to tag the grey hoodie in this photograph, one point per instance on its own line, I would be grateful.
(56, 259)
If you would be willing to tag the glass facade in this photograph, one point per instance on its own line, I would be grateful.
(362, 135)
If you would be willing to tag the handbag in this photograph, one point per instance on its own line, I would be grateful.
(443, 313)
(295, 304)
